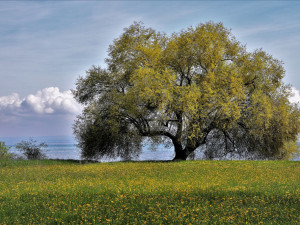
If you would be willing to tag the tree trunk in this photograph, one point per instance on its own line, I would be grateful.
(180, 154)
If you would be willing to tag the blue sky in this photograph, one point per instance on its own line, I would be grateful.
(46, 45)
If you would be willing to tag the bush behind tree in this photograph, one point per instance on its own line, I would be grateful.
(31, 149)
(4, 154)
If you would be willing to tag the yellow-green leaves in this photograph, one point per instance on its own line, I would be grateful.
(197, 86)
(289, 150)
(152, 87)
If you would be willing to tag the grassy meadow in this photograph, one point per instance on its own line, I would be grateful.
(191, 192)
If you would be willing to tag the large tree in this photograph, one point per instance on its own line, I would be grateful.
(198, 87)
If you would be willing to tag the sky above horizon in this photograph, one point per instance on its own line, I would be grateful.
(46, 45)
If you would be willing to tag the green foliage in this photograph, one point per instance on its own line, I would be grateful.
(196, 87)
(4, 154)
(31, 149)
(191, 192)
(21, 162)
(290, 150)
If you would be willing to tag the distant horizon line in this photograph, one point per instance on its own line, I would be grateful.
(44, 138)
(36, 136)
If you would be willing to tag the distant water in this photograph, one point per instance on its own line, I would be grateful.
(64, 147)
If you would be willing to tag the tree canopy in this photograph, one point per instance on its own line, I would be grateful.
(197, 87)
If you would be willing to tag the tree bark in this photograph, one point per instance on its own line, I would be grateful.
(180, 153)
(180, 156)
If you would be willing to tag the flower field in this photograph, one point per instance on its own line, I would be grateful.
(191, 192)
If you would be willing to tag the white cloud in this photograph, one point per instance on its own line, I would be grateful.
(295, 98)
(46, 101)
(10, 101)
(47, 112)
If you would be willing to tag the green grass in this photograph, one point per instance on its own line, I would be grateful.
(192, 192)
(19, 163)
